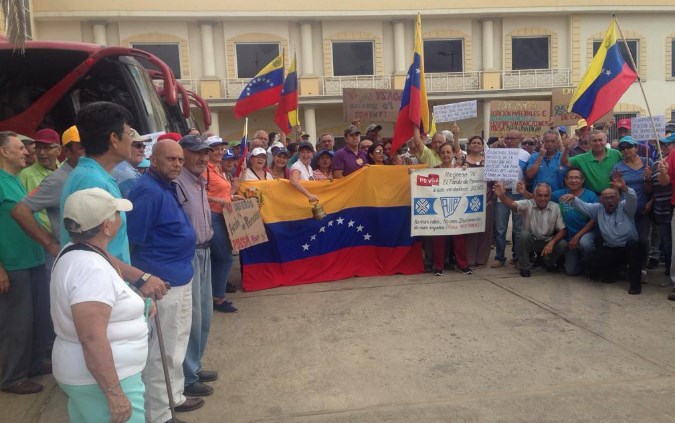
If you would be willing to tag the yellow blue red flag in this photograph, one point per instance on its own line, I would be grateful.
(366, 231)
(263, 90)
(286, 116)
(606, 79)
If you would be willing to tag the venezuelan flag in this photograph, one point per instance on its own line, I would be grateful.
(366, 231)
(286, 116)
(263, 90)
(414, 110)
(605, 81)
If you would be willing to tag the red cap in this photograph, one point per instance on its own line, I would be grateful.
(170, 136)
(623, 123)
(47, 136)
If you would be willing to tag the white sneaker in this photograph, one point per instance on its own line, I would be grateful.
(643, 276)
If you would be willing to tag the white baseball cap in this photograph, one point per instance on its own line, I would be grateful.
(258, 152)
(91, 207)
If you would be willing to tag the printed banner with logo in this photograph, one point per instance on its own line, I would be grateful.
(447, 201)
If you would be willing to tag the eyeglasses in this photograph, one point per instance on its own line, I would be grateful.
(526, 143)
(138, 145)
(625, 147)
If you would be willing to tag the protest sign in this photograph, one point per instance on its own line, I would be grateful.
(456, 111)
(370, 105)
(560, 100)
(529, 117)
(244, 223)
(501, 164)
(447, 201)
(642, 129)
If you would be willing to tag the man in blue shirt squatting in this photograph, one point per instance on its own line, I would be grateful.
(616, 221)
(105, 135)
(163, 241)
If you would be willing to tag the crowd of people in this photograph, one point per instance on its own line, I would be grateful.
(101, 251)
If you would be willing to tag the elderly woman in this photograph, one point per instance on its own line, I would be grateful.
(636, 171)
(438, 242)
(376, 154)
(322, 165)
(279, 168)
(100, 322)
(219, 187)
(256, 170)
(478, 244)
(302, 171)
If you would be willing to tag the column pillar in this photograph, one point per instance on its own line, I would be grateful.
(491, 77)
(100, 35)
(309, 124)
(486, 118)
(399, 47)
(310, 83)
(208, 51)
(215, 125)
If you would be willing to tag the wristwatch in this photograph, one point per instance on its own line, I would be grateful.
(142, 280)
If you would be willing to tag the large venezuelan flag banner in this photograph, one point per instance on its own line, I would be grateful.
(366, 231)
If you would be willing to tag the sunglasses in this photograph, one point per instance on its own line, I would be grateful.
(623, 147)
(138, 145)
(527, 143)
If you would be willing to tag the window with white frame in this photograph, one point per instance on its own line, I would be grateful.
(633, 46)
(530, 53)
(444, 55)
(169, 53)
(253, 57)
(353, 58)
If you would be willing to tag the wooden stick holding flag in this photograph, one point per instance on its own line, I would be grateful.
(651, 117)
(414, 110)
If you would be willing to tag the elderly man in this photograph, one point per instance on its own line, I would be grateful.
(105, 135)
(125, 173)
(545, 166)
(326, 142)
(47, 150)
(431, 156)
(597, 164)
(193, 185)
(503, 212)
(349, 159)
(579, 143)
(163, 242)
(373, 132)
(23, 285)
(543, 230)
(616, 221)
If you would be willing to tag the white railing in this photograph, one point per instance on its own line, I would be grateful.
(333, 85)
(537, 78)
(233, 87)
(455, 81)
(190, 84)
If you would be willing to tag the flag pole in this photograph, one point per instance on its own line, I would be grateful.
(644, 95)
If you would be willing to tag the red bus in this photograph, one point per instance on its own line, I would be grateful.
(47, 84)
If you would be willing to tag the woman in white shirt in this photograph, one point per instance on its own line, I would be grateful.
(302, 170)
(256, 171)
(100, 322)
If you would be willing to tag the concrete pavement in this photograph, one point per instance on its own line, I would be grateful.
(487, 347)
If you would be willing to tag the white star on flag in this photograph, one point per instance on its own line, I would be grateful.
(350, 224)
(330, 223)
(367, 237)
(359, 228)
(608, 73)
(305, 247)
(323, 229)
(340, 220)
(417, 70)
(312, 238)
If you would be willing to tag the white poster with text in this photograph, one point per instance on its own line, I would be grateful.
(456, 111)
(501, 164)
(642, 129)
(447, 201)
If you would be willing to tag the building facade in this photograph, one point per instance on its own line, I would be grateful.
(520, 49)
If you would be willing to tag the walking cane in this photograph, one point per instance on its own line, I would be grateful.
(165, 366)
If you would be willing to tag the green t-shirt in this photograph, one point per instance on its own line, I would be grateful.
(17, 250)
(31, 177)
(597, 173)
(429, 157)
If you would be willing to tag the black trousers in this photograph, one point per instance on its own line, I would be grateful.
(606, 261)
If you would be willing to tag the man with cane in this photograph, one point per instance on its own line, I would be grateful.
(163, 243)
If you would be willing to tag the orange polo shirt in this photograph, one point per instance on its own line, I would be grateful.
(217, 185)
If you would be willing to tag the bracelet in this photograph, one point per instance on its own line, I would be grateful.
(113, 388)
(142, 280)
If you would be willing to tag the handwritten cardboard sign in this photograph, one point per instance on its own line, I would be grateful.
(370, 105)
(447, 201)
(529, 117)
(501, 164)
(642, 129)
(244, 224)
(456, 111)
(560, 100)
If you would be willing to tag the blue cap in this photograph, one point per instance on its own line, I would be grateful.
(228, 154)
(194, 143)
(627, 140)
(670, 138)
(562, 129)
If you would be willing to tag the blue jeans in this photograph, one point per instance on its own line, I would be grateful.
(202, 310)
(573, 258)
(221, 255)
(502, 214)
